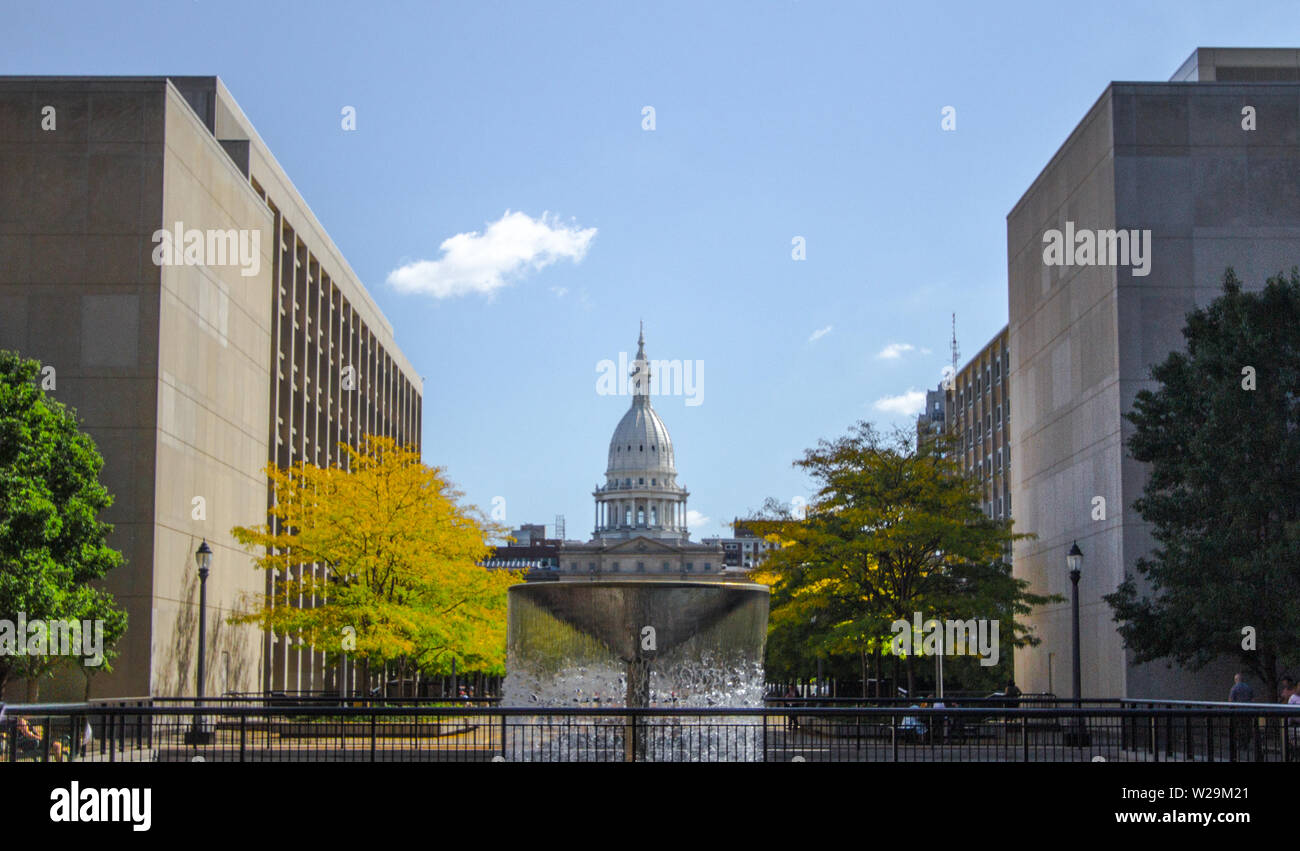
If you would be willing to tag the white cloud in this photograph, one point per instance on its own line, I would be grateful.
(819, 333)
(695, 519)
(485, 262)
(894, 351)
(560, 292)
(910, 403)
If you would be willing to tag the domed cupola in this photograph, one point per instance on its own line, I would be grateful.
(640, 495)
(641, 443)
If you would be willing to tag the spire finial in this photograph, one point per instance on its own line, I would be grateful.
(641, 369)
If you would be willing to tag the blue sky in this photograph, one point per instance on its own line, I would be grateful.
(773, 120)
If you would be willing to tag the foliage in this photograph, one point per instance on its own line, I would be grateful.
(1221, 432)
(893, 529)
(379, 551)
(52, 544)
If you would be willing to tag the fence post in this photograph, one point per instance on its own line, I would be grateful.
(893, 735)
(1209, 738)
(1024, 738)
(243, 735)
(372, 737)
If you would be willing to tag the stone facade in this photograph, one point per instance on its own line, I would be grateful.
(189, 376)
(1172, 158)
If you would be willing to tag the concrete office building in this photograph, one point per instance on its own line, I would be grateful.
(1173, 159)
(191, 369)
(977, 408)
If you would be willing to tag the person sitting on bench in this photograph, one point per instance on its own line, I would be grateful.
(29, 741)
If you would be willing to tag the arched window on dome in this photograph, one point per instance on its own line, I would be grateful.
(627, 517)
(640, 517)
(654, 516)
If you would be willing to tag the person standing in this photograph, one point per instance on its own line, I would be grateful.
(1241, 692)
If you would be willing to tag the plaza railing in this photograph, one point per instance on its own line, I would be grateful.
(230, 731)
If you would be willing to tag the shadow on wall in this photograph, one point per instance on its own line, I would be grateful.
(230, 649)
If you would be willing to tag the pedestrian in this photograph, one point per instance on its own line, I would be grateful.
(1240, 691)
(1011, 693)
(1288, 689)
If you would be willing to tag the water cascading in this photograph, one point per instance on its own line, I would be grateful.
(637, 644)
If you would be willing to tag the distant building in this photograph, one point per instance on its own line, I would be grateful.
(744, 550)
(977, 410)
(531, 550)
(930, 422)
(640, 511)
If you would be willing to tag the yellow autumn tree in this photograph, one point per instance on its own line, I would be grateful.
(378, 558)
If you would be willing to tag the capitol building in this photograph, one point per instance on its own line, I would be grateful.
(640, 519)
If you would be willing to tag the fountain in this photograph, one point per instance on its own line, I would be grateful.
(640, 637)
(638, 644)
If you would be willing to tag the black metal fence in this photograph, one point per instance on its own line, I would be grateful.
(455, 733)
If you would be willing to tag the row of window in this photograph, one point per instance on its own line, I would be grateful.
(640, 567)
(992, 375)
(989, 463)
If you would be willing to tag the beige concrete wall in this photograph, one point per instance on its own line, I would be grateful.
(1172, 159)
(78, 291)
(213, 407)
(1065, 426)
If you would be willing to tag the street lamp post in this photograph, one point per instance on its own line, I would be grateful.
(198, 735)
(1074, 558)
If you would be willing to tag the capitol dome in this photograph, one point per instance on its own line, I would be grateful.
(641, 443)
(640, 495)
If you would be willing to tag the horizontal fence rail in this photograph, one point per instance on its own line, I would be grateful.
(310, 732)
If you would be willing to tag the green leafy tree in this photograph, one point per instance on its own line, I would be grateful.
(893, 529)
(52, 544)
(1222, 435)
